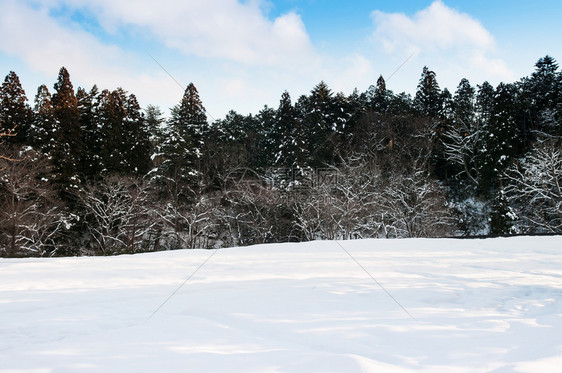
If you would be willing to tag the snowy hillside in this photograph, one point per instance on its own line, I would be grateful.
(476, 306)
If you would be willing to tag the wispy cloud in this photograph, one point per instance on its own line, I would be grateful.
(225, 29)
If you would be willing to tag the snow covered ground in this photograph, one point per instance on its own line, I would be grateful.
(477, 306)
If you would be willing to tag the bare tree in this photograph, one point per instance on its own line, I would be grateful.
(535, 188)
(3, 135)
(118, 214)
(190, 225)
(416, 206)
(343, 203)
(32, 218)
(252, 211)
(461, 148)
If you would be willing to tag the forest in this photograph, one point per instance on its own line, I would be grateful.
(90, 172)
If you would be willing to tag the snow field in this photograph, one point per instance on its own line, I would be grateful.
(478, 306)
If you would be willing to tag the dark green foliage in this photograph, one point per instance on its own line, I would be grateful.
(500, 138)
(439, 165)
(501, 216)
(15, 113)
(379, 97)
(260, 140)
(463, 106)
(484, 102)
(137, 148)
(428, 100)
(541, 101)
(69, 149)
(154, 118)
(45, 128)
(92, 132)
(123, 139)
(110, 116)
(287, 137)
(319, 125)
(180, 153)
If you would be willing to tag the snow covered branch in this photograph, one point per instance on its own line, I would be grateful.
(535, 188)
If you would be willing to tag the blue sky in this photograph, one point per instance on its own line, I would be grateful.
(242, 55)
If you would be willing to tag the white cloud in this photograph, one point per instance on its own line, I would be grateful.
(45, 46)
(238, 57)
(351, 71)
(226, 29)
(437, 26)
(452, 42)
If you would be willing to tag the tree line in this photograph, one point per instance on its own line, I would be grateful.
(91, 172)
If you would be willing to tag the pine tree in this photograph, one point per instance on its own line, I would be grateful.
(541, 100)
(182, 149)
(254, 142)
(109, 118)
(287, 141)
(121, 136)
(464, 101)
(439, 164)
(428, 94)
(88, 103)
(15, 113)
(379, 96)
(69, 149)
(484, 103)
(347, 110)
(319, 125)
(45, 126)
(401, 104)
(154, 119)
(137, 147)
(500, 141)
(502, 216)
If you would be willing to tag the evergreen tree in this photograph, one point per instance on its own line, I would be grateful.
(347, 110)
(88, 103)
(401, 104)
(109, 119)
(154, 119)
(287, 141)
(484, 103)
(464, 101)
(259, 141)
(122, 137)
(500, 141)
(502, 216)
(447, 105)
(69, 149)
(541, 100)
(438, 155)
(379, 96)
(428, 95)
(15, 113)
(137, 148)
(45, 126)
(182, 149)
(253, 142)
(319, 125)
